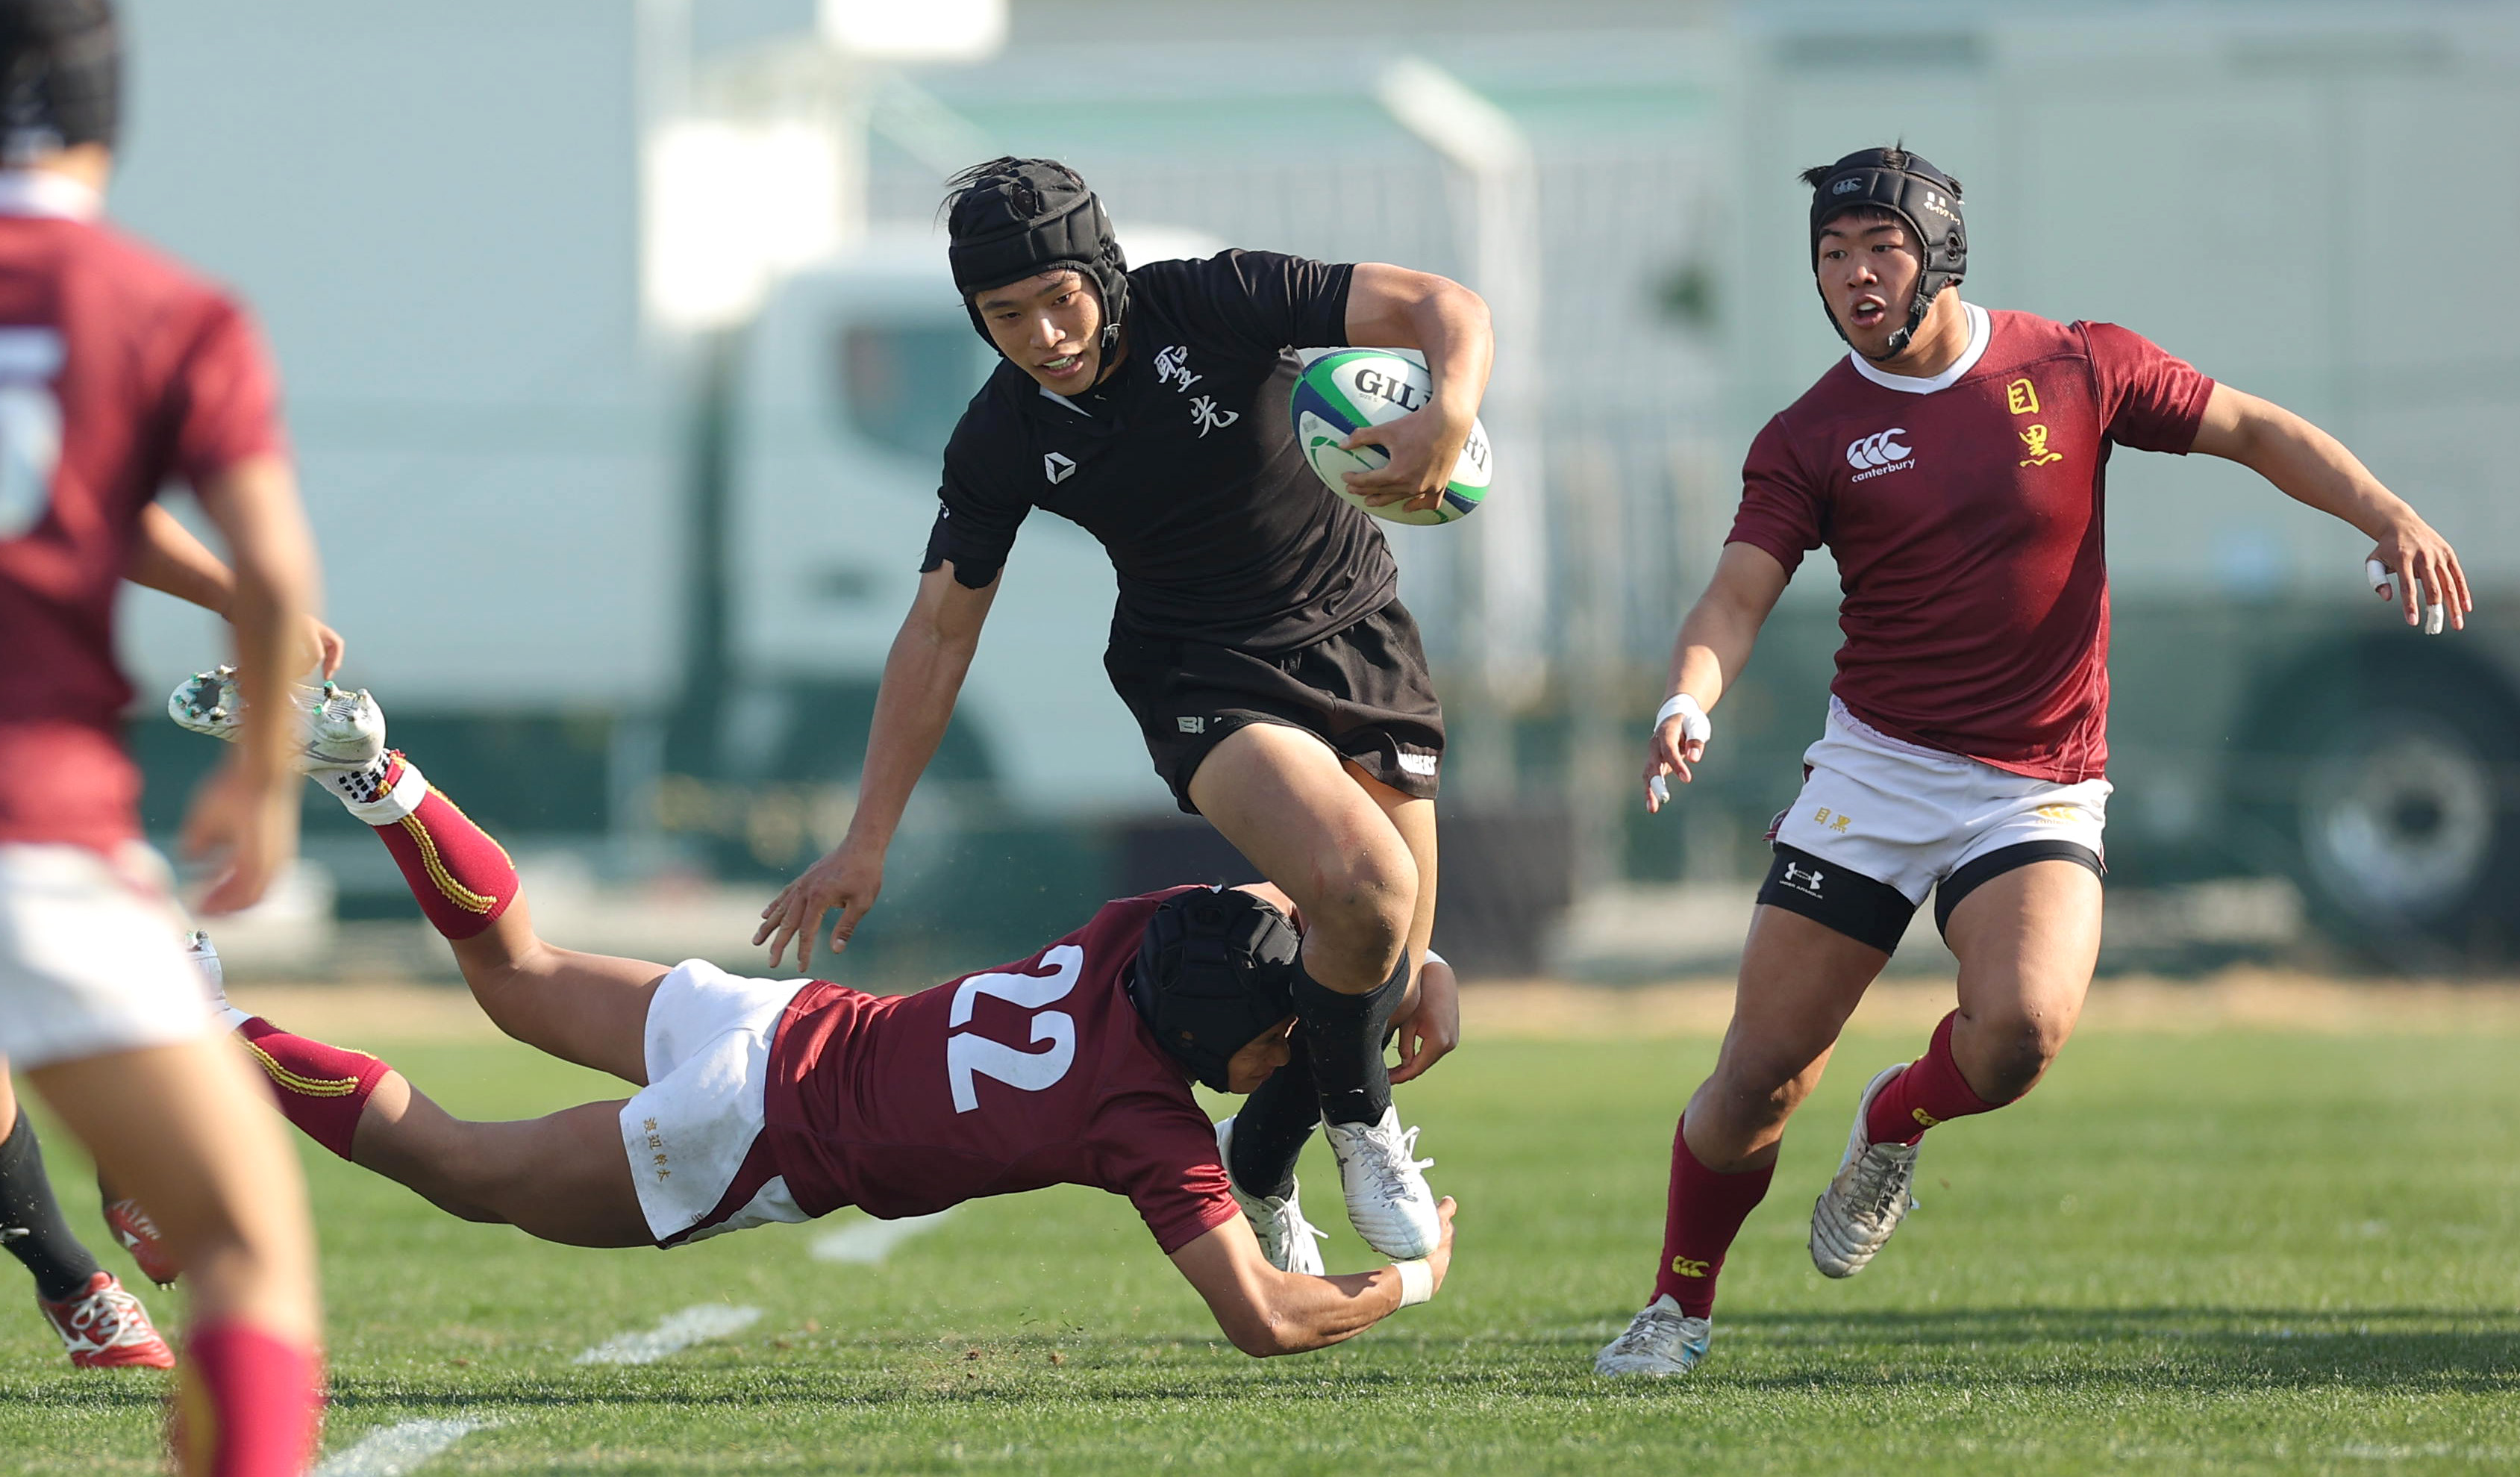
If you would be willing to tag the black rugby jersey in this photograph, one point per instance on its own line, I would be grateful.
(1183, 463)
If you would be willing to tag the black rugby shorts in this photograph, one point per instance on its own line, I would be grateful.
(1364, 690)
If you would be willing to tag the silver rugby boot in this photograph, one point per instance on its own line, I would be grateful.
(1853, 1219)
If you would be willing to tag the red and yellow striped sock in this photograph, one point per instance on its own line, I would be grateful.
(321, 1089)
(464, 879)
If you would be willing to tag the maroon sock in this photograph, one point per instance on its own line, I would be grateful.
(1930, 1091)
(245, 1403)
(321, 1089)
(1704, 1214)
(463, 879)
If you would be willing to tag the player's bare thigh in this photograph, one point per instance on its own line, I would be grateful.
(588, 1008)
(1800, 981)
(2027, 942)
(1288, 803)
(562, 1177)
(1415, 820)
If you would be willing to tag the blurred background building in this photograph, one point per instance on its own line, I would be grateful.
(621, 352)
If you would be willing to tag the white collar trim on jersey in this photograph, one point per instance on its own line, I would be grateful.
(40, 192)
(1981, 330)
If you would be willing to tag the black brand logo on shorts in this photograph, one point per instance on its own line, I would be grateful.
(1804, 880)
(1192, 725)
(1057, 467)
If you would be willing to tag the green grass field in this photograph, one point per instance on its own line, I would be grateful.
(2234, 1252)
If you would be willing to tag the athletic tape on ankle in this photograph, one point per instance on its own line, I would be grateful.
(409, 789)
(1416, 1281)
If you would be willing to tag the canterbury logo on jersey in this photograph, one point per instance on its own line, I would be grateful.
(1878, 449)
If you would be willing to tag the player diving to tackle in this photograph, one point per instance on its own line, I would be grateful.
(763, 1100)
(1952, 464)
(1279, 682)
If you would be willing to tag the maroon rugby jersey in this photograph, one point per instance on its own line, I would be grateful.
(119, 372)
(1034, 1073)
(1964, 513)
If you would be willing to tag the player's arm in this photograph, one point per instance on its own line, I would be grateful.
(1712, 646)
(2312, 466)
(247, 812)
(921, 676)
(1266, 1312)
(170, 559)
(1392, 308)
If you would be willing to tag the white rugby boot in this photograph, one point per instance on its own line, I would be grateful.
(1387, 1198)
(340, 732)
(1290, 1242)
(1659, 1342)
(1854, 1217)
(204, 955)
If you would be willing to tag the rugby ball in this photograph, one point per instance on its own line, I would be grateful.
(1345, 391)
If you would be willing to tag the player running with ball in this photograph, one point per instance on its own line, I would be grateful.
(1279, 682)
(1951, 464)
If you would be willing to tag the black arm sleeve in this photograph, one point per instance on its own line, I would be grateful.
(981, 510)
(1262, 301)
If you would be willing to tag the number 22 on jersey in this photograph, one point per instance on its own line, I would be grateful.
(969, 1054)
(30, 426)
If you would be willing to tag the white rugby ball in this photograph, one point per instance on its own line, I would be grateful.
(1345, 391)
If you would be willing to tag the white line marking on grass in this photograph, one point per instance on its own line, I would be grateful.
(868, 1243)
(397, 1450)
(673, 1333)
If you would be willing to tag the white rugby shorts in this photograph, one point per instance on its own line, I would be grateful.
(92, 955)
(693, 1133)
(1914, 820)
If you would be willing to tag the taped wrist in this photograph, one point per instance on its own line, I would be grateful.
(1343, 1040)
(1416, 1281)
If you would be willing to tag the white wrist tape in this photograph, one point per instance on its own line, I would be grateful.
(1693, 726)
(1416, 1281)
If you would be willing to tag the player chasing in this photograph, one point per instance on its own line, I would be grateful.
(1278, 680)
(1951, 463)
(121, 373)
(763, 1100)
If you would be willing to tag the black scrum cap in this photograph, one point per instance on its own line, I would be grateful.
(1912, 188)
(1011, 218)
(1214, 971)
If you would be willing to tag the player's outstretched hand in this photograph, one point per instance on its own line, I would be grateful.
(2411, 551)
(847, 879)
(1423, 447)
(1677, 740)
(1434, 1027)
(245, 826)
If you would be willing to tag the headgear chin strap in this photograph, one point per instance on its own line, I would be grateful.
(1908, 187)
(61, 75)
(1214, 971)
(1013, 218)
